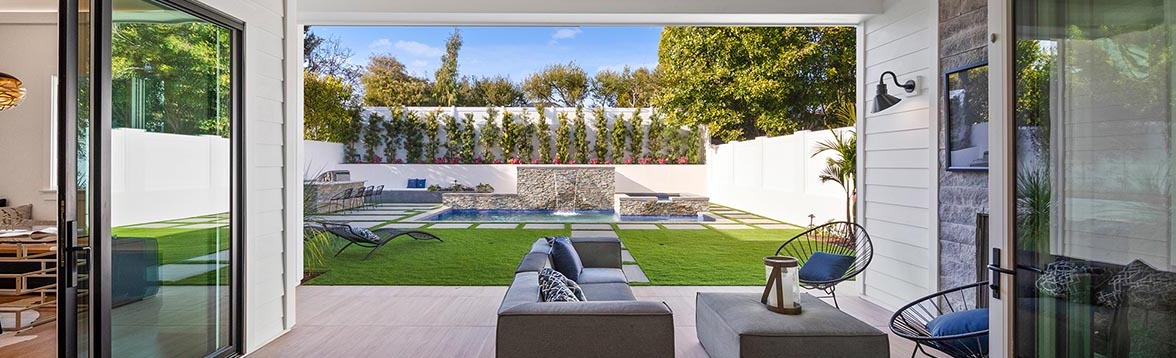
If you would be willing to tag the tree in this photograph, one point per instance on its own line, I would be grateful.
(841, 167)
(526, 133)
(490, 134)
(580, 138)
(394, 133)
(543, 135)
(468, 138)
(564, 85)
(495, 91)
(656, 128)
(600, 144)
(328, 56)
(636, 131)
(453, 138)
(743, 82)
(562, 138)
(432, 128)
(414, 138)
(509, 135)
(387, 84)
(628, 88)
(445, 85)
(619, 133)
(327, 110)
(371, 137)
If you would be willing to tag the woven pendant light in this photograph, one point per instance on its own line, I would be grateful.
(11, 92)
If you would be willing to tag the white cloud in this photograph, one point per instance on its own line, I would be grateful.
(380, 45)
(564, 34)
(418, 49)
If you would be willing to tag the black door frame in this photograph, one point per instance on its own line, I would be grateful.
(100, 125)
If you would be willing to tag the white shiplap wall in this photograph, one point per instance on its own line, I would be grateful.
(898, 201)
(268, 298)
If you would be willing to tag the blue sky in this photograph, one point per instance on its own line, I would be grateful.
(510, 51)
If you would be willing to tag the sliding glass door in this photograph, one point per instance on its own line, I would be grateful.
(158, 156)
(1093, 119)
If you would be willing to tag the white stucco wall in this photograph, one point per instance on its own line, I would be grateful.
(897, 158)
(777, 177)
(26, 131)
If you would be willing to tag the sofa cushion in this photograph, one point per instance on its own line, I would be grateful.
(1062, 279)
(1140, 285)
(524, 289)
(611, 291)
(564, 258)
(602, 275)
(16, 215)
(553, 287)
(541, 246)
(961, 322)
(823, 267)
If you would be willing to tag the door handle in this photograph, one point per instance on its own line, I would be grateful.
(994, 268)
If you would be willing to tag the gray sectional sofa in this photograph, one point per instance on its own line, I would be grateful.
(612, 323)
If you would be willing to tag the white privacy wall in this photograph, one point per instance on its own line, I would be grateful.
(151, 172)
(777, 177)
(269, 300)
(897, 159)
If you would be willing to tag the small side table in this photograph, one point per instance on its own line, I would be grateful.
(737, 325)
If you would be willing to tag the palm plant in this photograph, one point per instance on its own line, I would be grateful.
(1033, 204)
(841, 168)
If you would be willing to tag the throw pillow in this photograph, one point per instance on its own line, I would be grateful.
(824, 266)
(366, 234)
(564, 257)
(576, 290)
(1140, 285)
(16, 215)
(1061, 279)
(962, 322)
(553, 287)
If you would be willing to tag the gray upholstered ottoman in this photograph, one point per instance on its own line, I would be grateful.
(738, 325)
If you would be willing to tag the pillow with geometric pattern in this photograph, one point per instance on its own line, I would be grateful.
(1140, 285)
(553, 287)
(16, 215)
(366, 234)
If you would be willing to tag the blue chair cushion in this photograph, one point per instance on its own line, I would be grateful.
(962, 322)
(420, 184)
(564, 258)
(823, 266)
(411, 184)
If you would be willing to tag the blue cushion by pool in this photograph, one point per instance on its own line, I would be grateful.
(962, 322)
(411, 183)
(420, 184)
(564, 258)
(825, 267)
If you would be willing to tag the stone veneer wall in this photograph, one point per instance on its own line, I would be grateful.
(649, 205)
(963, 31)
(547, 188)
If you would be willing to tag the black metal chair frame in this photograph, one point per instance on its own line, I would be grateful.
(910, 321)
(347, 232)
(374, 194)
(838, 237)
(339, 198)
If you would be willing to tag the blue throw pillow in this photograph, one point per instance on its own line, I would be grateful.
(962, 322)
(420, 184)
(411, 184)
(823, 267)
(564, 257)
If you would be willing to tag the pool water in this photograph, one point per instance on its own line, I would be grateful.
(594, 216)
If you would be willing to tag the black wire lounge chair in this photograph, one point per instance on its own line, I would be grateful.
(836, 238)
(383, 236)
(911, 322)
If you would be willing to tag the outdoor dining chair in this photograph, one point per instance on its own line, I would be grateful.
(949, 321)
(829, 254)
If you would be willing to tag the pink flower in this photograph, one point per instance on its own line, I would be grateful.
(454, 160)
(662, 160)
(398, 161)
(555, 161)
(608, 162)
(477, 160)
(536, 161)
(515, 161)
(645, 160)
(498, 161)
(440, 161)
(594, 161)
(683, 160)
(628, 160)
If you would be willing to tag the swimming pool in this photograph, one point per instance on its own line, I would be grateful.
(580, 216)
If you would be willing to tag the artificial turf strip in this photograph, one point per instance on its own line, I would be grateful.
(704, 257)
(179, 244)
(467, 257)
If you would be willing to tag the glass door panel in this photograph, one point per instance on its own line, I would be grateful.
(1094, 245)
(172, 105)
(74, 320)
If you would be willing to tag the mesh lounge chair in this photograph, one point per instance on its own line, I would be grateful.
(835, 238)
(384, 236)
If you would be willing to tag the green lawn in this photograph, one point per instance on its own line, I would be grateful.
(177, 244)
(468, 257)
(471, 257)
(704, 257)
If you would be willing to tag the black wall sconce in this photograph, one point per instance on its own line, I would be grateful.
(883, 100)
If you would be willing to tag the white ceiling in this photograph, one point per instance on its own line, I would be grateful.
(597, 12)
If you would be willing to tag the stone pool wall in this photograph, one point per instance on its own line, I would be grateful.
(683, 205)
(547, 188)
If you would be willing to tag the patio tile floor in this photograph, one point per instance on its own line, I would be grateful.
(732, 227)
(591, 227)
(581, 233)
(544, 226)
(776, 226)
(684, 227)
(637, 227)
(758, 221)
(450, 226)
(497, 226)
(404, 225)
(633, 273)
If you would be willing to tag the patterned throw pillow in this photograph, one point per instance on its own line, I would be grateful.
(553, 287)
(16, 215)
(1061, 279)
(1140, 285)
(366, 234)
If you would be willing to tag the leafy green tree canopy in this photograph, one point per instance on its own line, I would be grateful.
(564, 85)
(387, 83)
